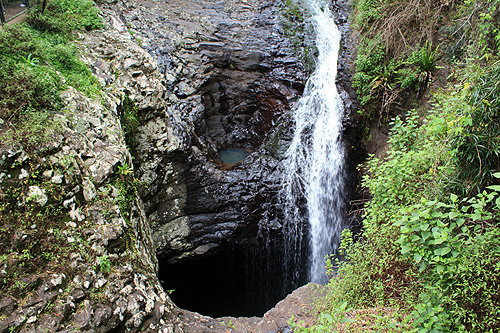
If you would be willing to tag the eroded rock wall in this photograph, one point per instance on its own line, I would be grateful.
(100, 269)
(227, 74)
(204, 75)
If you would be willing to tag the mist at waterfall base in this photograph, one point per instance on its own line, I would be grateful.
(243, 281)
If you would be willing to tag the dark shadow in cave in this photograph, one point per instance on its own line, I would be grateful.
(236, 282)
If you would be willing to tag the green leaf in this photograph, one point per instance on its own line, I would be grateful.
(346, 320)
(417, 258)
(424, 226)
(423, 266)
(494, 187)
(440, 269)
(343, 306)
(442, 251)
(453, 197)
(399, 223)
(327, 316)
(405, 249)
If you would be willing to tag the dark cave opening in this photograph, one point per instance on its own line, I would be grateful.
(236, 282)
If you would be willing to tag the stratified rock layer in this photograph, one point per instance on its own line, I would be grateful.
(101, 263)
(205, 75)
(227, 74)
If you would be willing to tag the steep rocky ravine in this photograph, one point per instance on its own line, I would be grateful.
(204, 75)
(225, 74)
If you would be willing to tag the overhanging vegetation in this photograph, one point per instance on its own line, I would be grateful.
(428, 257)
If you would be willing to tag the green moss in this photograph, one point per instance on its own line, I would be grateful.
(38, 63)
(296, 28)
(65, 16)
(129, 120)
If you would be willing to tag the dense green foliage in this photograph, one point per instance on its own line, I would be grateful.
(430, 246)
(478, 146)
(65, 16)
(37, 64)
(396, 56)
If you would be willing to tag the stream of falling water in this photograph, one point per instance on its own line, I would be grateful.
(314, 163)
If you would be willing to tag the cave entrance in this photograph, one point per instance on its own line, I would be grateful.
(236, 282)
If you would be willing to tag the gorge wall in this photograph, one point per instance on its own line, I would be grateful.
(226, 74)
(205, 76)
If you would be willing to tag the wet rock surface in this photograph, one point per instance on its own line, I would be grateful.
(227, 74)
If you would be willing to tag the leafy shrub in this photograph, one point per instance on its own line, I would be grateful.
(487, 34)
(477, 146)
(374, 272)
(367, 12)
(65, 16)
(386, 81)
(388, 76)
(457, 247)
(369, 63)
(362, 277)
(425, 58)
(419, 242)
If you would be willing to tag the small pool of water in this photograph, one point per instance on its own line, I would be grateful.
(233, 155)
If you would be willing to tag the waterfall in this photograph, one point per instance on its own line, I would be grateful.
(314, 163)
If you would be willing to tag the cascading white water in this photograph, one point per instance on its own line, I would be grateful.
(314, 163)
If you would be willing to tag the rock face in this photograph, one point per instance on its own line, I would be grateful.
(204, 75)
(222, 76)
(98, 268)
(225, 74)
(302, 305)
